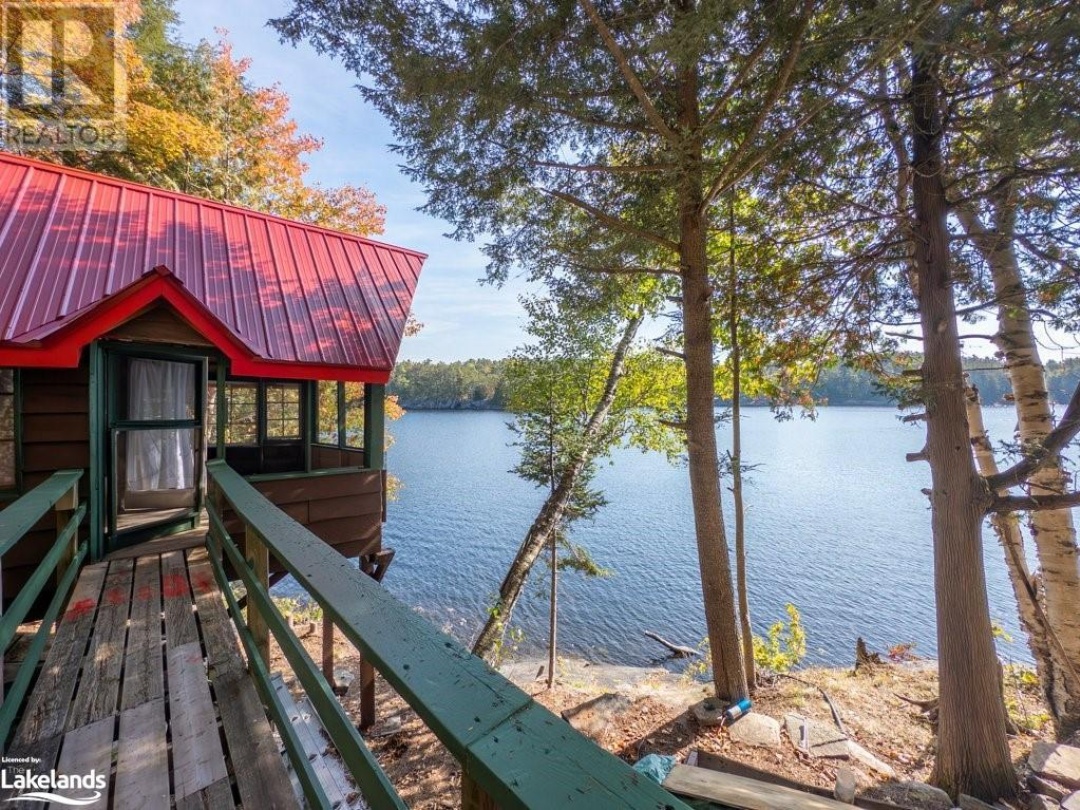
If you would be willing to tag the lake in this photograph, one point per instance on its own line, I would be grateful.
(836, 525)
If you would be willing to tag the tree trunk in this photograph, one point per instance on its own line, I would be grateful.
(551, 513)
(1052, 530)
(736, 466)
(553, 615)
(973, 754)
(1007, 528)
(729, 677)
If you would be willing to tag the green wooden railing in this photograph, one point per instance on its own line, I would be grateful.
(513, 752)
(59, 494)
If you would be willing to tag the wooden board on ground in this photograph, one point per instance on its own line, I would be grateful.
(47, 707)
(143, 679)
(715, 762)
(259, 769)
(142, 758)
(198, 760)
(99, 690)
(328, 768)
(217, 796)
(739, 791)
(89, 749)
(176, 594)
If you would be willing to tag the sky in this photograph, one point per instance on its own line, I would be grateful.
(462, 319)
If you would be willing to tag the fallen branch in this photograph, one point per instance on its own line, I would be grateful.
(828, 700)
(677, 650)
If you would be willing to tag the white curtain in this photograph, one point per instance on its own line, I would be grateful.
(160, 459)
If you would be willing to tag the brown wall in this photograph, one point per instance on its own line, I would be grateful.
(330, 458)
(56, 436)
(344, 509)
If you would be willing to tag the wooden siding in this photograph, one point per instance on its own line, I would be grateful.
(344, 509)
(324, 457)
(159, 324)
(55, 436)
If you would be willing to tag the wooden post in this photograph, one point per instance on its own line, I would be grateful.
(65, 508)
(374, 426)
(259, 560)
(328, 650)
(473, 796)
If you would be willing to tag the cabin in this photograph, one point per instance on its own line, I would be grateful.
(192, 404)
(144, 333)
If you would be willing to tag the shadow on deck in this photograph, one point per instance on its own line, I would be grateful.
(145, 684)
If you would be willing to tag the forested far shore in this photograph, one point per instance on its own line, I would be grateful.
(481, 384)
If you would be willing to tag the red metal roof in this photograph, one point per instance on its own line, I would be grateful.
(80, 252)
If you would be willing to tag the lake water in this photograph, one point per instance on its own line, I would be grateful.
(836, 524)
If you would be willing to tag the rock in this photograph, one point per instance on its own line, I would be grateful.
(1059, 762)
(1072, 801)
(1040, 802)
(846, 783)
(815, 733)
(860, 754)
(708, 712)
(835, 750)
(595, 717)
(925, 796)
(1047, 787)
(756, 729)
(971, 803)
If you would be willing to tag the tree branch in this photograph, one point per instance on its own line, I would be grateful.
(1051, 447)
(1034, 503)
(612, 221)
(628, 73)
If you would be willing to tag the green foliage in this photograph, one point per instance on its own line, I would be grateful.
(508, 639)
(481, 383)
(298, 611)
(784, 643)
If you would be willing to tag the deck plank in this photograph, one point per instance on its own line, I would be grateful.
(217, 796)
(198, 759)
(328, 769)
(99, 691)
(176, 594)
(257, 764)
(142, 758)
(40, 732)
(88, 748)
(143, 676)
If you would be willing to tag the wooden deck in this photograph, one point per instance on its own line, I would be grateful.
(145, 682)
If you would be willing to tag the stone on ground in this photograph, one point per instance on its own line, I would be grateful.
(756, 729)
(708, 712)
(595, 717)
(1040, 802)
(1047, 787)
(928, 797)
(860, 754)
(1055, 761)
(846, 783)
(816, 734)
(1072, 801)
(971, 803)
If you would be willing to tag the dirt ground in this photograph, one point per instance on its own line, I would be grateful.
(658, 721)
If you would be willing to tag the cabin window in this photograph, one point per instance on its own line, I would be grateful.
(241, 413)
(354, 415)
(328, 413)
(7, 428)
(283, 411)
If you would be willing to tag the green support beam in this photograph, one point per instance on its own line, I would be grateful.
(375, 426)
